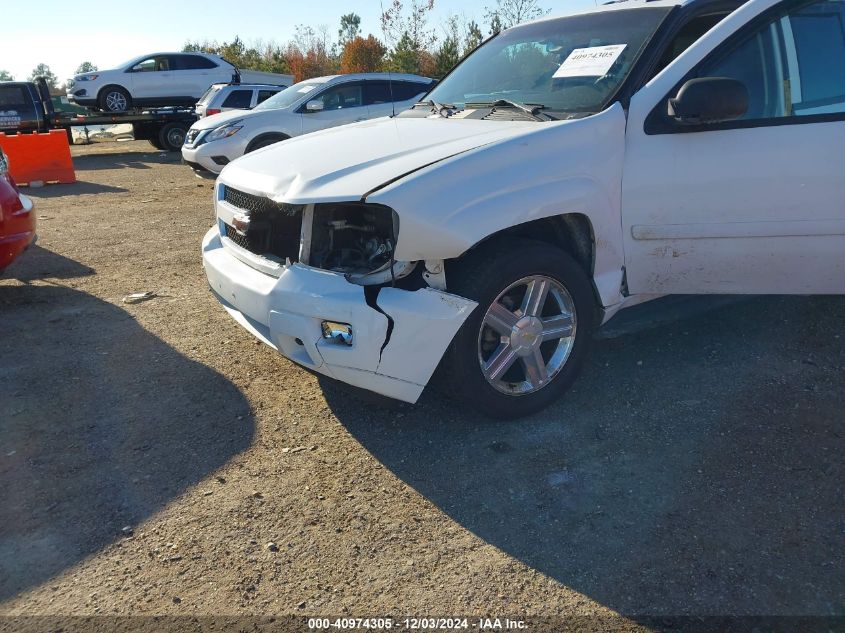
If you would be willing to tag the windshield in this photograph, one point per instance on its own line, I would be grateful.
(288, 96)
(572, 64)
(129, 63)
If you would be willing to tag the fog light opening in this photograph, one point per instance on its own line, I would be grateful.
(340, 333)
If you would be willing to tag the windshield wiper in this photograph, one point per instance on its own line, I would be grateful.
(437, 107)
(529, 108)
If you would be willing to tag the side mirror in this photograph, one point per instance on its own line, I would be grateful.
(709, 100)
(315, 105)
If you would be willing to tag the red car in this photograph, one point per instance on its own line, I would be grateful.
(17, 219)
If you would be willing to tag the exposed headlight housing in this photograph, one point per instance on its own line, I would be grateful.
(224, 131)
(357, 239)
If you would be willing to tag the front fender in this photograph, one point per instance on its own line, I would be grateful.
(564, 167)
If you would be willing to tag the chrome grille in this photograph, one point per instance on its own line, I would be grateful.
(238, 238)
(274, 228)
(252, 203)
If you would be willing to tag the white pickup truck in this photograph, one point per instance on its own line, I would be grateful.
(567, 169)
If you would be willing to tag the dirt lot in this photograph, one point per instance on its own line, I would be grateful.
(696, 468)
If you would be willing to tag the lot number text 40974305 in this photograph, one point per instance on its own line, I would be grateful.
(416, 624)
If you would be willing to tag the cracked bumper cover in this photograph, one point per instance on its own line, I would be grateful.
(285, 312)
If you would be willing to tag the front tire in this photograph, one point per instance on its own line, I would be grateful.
(114, 99)
(525, 343)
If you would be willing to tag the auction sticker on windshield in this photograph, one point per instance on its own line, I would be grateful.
(589, 62)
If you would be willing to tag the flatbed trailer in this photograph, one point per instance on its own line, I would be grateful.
(165, 128)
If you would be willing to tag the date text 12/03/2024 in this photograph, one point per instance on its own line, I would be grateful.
(420, 624)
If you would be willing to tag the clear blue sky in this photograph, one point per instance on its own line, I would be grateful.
(57, 34)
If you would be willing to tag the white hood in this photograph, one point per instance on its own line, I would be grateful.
(345, 163)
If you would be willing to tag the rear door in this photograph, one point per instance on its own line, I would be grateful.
(756, 204)
(342, 104)
(192, 75)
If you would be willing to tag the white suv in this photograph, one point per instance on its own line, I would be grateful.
(311, 105)
(224, 97)
(567, 169)
(160, 79)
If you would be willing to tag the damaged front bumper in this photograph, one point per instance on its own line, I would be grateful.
(399, 335)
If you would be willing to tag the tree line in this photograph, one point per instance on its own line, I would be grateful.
(408, 43)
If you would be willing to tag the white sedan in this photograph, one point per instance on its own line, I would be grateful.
(160, 79)
(311, 105)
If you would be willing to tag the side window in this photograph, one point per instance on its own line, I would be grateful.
(263, 95)
(180, 62)
(787, 65)
(410, 89)
(198, 62)
(15, 102)
(376, 92)
(344, 96)
(163, 63)
(146, 66)
(190, 62)
(238, 99)
(817, 85)
(14, 97)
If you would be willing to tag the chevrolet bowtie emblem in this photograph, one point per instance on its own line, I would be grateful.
(240, 222)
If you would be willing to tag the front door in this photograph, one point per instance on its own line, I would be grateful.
(753, 205)
(152, 78)
(342, 104)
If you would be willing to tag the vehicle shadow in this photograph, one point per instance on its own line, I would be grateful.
(109, 158)
(78, 188)
(101, 425)
(694, 469)
(40, 263)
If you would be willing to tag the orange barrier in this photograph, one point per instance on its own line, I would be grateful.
(34, 157)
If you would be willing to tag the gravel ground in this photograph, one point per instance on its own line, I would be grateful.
(156, 460)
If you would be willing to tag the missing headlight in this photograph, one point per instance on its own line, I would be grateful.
(353, 237)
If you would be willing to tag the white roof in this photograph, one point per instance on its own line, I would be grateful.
(356, 76)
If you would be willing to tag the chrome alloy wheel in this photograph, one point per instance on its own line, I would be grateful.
(527, 335)
(116, 101)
